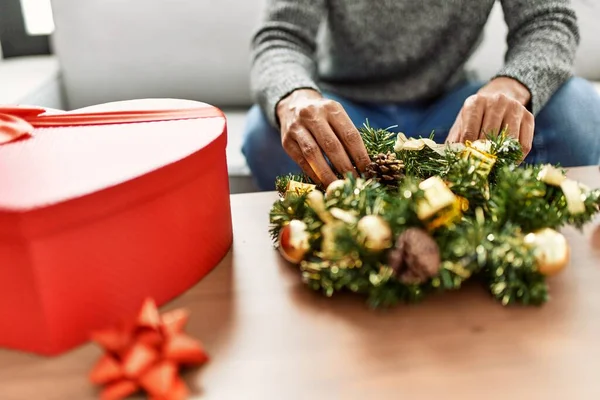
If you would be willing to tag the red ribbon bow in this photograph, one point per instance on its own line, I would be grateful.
(18, 122)
(13, 122)
(147, 355)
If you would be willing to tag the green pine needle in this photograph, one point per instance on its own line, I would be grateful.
(281, 182)
(377, 141)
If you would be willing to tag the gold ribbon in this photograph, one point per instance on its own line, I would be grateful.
(572, 190)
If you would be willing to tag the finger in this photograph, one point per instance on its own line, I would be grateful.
(350, 137)
(313, 155)
(527, 131)
(293, 150)
(512, 120)
(330, 145)
(453, 135)
(472, 117)
(493, 116)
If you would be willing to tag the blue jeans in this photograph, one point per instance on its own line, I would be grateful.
(567, 130)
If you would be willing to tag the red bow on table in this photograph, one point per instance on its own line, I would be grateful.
(18, 122)
(147, 355)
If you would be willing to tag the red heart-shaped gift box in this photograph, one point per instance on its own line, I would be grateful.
(103, 207)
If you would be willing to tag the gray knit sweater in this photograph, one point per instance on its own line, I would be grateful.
(404, 50)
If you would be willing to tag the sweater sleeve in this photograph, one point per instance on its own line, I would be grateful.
(283, 51)
(542, 41)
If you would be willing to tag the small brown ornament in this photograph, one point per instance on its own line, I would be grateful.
(551, 250)
(416, 257)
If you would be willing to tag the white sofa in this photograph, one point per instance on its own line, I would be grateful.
(199, 49)
(31, 80)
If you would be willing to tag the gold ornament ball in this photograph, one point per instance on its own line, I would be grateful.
(334, 186)
(293, 241)
(375, 233)
(551, 250)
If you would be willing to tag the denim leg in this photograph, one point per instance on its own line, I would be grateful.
(263, 151)
(440, 116)
(568, 128)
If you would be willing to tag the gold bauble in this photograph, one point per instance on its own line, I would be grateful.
(375, 233)
(551, 250)
(294, 241)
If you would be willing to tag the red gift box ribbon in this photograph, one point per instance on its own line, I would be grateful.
(18, 122)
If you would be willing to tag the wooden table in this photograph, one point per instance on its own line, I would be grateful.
(272, 338)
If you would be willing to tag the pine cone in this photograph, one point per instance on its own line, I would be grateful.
(416, 257)
(386, 169)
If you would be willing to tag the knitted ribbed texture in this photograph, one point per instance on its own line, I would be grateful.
(404, 50)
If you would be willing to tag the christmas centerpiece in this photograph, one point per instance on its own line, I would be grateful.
(426, 217)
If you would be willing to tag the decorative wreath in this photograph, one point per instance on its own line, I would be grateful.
(426, 217)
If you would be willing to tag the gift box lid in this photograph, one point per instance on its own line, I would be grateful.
(67, 157)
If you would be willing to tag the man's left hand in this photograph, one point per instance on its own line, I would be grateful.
(499, 104)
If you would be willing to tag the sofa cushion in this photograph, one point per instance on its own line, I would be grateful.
(189, 49)
(236, 163)
(32, 80)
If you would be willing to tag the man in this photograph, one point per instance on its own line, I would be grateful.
(401, 63)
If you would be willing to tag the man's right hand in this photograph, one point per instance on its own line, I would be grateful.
(312, 125)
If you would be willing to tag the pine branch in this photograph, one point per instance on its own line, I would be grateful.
(284, 210)
(373, 280)
(520, 198)
(511, 270)
(361, 196)
(592, 208)
(400, 209)
(507, 149)
(281, 182)
(465, 179)
(377, 141)
(423, 163)
(459, 250)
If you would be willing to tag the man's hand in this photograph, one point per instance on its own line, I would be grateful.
(498, 105)
(312, 125)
